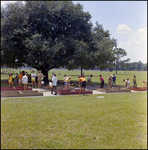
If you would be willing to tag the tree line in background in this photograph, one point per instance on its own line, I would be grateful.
(134, 66)
(53, 34)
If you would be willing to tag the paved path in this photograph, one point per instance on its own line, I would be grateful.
(47, 93)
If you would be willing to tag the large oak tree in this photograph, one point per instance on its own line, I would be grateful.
(42, 34)
(53, 34)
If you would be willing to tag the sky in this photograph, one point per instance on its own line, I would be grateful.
(126, 22)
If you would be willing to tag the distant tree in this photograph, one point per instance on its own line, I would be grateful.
(133, 66)
(119, 53)
(125, 63)
(144, 67)
(140, 65)
(137, 66)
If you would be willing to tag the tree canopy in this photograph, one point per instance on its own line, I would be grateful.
(53, 34)
(42, 33)
(119, 53)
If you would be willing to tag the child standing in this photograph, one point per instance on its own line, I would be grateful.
(20, 76)
(65, 84)
(101, 81)
(89, 79)
(33, 75)
(39, 78)
(114, 80)
(10, 80)
(134, 81)
(54, 83)
(110, 81)
(128, 85)
(50, 84)
(25, 81)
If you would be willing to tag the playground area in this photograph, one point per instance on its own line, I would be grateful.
(93, 88)
(112, 117)
(19, 91)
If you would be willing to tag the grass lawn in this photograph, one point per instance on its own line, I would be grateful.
(117, 121)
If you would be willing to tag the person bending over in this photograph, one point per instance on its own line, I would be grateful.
(82, 81)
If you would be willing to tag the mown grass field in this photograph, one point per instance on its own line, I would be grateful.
(140, 75)
(117, 121)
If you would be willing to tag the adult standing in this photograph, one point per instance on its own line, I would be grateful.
(101, 81)
(54, 83)
(25, 81)
(82, 81)
(33, 75)
(89, 79)
(114, 80)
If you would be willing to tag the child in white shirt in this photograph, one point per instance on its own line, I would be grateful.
(128, 85)
(50, 84)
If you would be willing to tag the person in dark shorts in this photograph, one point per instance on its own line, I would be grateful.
(114, 80)
(82, 81)
(134, 81)
(101, 81)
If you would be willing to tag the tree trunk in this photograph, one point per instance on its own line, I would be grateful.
(81, 70)
(45, 73)
(116, 68)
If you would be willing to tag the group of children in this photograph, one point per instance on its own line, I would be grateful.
(111, 81)
(23, 79)
(127, 82)
(66, 81)
(82, 82)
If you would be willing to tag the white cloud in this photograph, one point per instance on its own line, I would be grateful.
(123, 29)
(3, 3)
(135, 43)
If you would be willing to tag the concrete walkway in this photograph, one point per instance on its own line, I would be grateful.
(47, 93)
